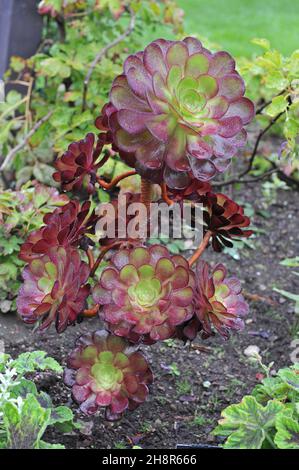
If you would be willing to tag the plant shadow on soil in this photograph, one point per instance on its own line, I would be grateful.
(186, 399)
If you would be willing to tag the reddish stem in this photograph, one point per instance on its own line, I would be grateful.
(104, 159)
(115, 180)
(91, 312)
(104, 250)
(258, 298)
(201, 248)
(165, 195)
(90, 257)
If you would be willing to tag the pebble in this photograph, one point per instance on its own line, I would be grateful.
(206, 384)
(262, 287)
(5, 306)
(251, 350)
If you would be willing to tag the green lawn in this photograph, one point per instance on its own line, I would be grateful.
(233, 23)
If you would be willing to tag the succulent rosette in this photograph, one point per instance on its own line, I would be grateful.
(106, 371)
(178, 111)
(225, 219)
(54, 289)
(68, 225)
(218, 300)
(145, 292)
(77, 167)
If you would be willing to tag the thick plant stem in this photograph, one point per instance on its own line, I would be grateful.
(201, 248)
(89, 254)
(115, 180)
(146, 192)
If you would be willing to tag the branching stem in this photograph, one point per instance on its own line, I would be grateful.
(165, 195)
(201, 248)
(115, 180)
(9, 157)
(90, 257)
(103, 251)
(238, 178)
(102, 54)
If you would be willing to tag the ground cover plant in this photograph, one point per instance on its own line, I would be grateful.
(20, 212)
(177, 115)
(25, 413)
(268, 418)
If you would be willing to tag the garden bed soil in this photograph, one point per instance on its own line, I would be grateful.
(191, 386)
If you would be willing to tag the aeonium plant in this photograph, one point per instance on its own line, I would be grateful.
(176, 115)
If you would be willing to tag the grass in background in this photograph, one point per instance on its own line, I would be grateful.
(233, 23)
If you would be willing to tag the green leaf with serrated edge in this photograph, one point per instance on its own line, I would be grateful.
(81, 118)
(61, 414)
(35, 360)
(23, 388)
(290, 376)
(248, 424)
(38, 417)
(26, 425)
(44, 400)
(62, 417)
(3, 359)
(264, 43)
(287, 436)
(270, 388)
(54, 67)
(278, 105)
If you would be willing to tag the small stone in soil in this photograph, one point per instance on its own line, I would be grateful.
(251, 350)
